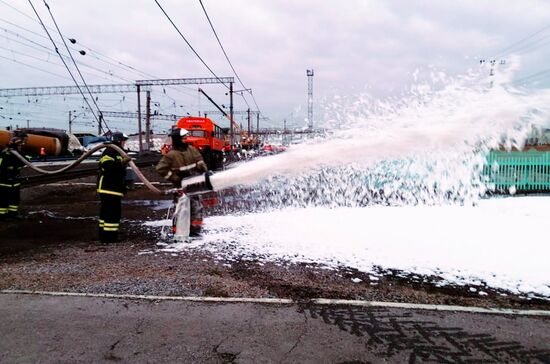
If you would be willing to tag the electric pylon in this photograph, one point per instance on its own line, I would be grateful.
(310, 99)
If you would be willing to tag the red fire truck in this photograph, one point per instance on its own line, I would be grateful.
(207, 137)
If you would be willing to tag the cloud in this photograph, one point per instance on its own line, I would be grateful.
(351, 44)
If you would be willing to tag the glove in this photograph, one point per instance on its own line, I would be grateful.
(181, 174)
(207, 182)
(200, 187)
(196, 188)
(201, 166)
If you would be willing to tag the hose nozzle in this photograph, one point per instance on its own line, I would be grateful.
(197, 184)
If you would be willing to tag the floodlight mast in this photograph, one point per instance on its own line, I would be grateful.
(309, 74)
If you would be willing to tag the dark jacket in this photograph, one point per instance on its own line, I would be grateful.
(10, 168)
(112, 173)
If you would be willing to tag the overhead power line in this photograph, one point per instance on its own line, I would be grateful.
(533, 45)
(97, 55)
(74, 63)
(225, 54)
(534, 75)
(17, 10)
(46, 50)
(13, 51)
(506, 50)
(23, 28)
(93, 53)
(90, 52)
(221, 45)
(524, 45)
(227, 57)
(63, 60)
(33, 67)
(189, 44)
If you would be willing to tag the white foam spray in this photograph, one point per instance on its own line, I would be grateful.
(431, 143)
(425, 149)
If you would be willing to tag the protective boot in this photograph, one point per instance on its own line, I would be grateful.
(195, 230)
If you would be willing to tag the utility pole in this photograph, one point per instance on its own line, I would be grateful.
(231, 141)
(258, 123)
(285, 136)
(492, 72)
(99, 126)
(310, 98)
(147, 120)
(70, 123)
(492, 63)
(248, 114)
(138, 89)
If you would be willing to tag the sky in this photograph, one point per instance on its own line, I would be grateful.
(354, 47)
(474, 246)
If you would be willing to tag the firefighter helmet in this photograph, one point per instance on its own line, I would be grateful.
(118, 137)
(178, 133)
(17, 139)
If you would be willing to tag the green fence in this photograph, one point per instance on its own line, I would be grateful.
(526, 171)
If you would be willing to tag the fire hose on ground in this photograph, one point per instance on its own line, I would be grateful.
(132, 165)
(182, 211)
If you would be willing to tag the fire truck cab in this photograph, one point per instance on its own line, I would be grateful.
(207, 137)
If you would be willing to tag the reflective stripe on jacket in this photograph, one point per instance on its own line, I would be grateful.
(180, 163)
(10, 168)
(112, 173)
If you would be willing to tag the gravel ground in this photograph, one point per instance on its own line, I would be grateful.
(46, 251)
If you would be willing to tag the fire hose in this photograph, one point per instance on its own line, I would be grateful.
(131, 163)
(182, 212)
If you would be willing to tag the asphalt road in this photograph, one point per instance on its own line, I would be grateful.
(49, 329)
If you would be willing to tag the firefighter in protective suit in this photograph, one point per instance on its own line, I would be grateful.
(10, 184)
(181, 162)
(111, 186)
